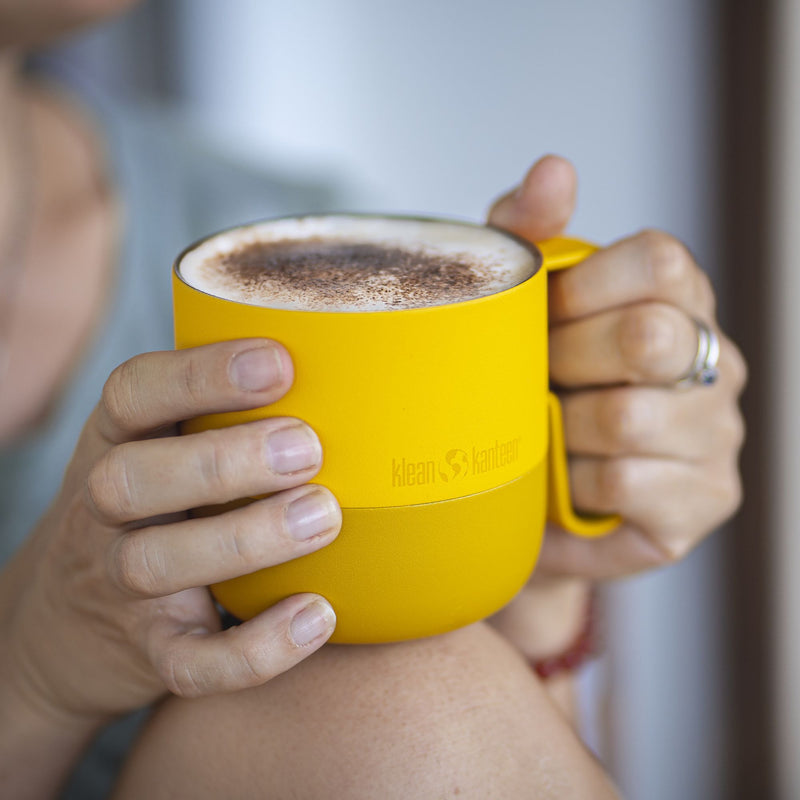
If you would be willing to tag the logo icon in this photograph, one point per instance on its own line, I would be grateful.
(454, 466)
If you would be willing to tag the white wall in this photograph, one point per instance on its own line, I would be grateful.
(437, 106)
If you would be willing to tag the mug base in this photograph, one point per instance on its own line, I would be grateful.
(407, 572)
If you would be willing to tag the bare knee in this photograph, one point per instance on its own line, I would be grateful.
(454, 715)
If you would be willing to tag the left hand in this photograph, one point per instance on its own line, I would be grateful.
(621, 335)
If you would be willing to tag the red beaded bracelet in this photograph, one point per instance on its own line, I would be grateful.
(584, 647)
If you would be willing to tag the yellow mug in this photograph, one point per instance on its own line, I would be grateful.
(442, 443)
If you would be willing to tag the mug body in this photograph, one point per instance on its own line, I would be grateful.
(434, 429)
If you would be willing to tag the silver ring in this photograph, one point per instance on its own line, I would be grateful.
(703, 371)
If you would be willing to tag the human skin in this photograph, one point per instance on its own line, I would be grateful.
(61, 680)
(621, 334)
(417, 735)
(459, 715)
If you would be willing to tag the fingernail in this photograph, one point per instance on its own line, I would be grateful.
(293, 449)
(312, 514)
(315, 620)
(256, 370)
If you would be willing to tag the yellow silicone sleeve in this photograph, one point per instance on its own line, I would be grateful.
(444, 450)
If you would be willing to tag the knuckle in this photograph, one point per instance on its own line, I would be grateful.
(627, 419)
(194, 381)
(707, 297)
(259, 659)
(646, 338)
(255, 670)
(109, 489)
(135, 568)
(178, 674)
(734, 494)
(217, 468)
(739, 372)
(617, 482)
(96, 489)
(734, 431)
(119, 394)
(676, 549)
(237, 540)
(670, 262)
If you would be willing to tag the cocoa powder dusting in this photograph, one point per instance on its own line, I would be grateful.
(319, 272)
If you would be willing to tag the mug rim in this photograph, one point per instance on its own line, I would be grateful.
(535, 252)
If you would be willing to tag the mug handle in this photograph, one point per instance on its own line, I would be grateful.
(560, 253)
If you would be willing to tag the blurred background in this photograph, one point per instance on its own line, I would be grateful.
(678, 114)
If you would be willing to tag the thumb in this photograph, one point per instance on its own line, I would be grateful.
(542, 205)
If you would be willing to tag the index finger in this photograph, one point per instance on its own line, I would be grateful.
(155, 390)
(650, 266)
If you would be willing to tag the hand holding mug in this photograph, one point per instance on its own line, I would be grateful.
(626, 326)
(105, 607)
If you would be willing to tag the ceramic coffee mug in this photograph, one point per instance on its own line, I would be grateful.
(442, 443)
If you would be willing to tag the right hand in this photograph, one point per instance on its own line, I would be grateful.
(104, 608)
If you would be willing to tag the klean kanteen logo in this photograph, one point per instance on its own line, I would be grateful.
(455, 464)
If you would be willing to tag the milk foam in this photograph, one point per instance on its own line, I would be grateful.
(483, 261)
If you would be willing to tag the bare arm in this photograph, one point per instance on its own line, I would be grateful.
(454, 715)
(99, 616)
(37, 749)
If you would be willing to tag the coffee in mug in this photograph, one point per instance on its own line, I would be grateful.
(420, 352)
(351, 264)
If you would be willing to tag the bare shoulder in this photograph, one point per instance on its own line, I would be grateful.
(455, 715)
